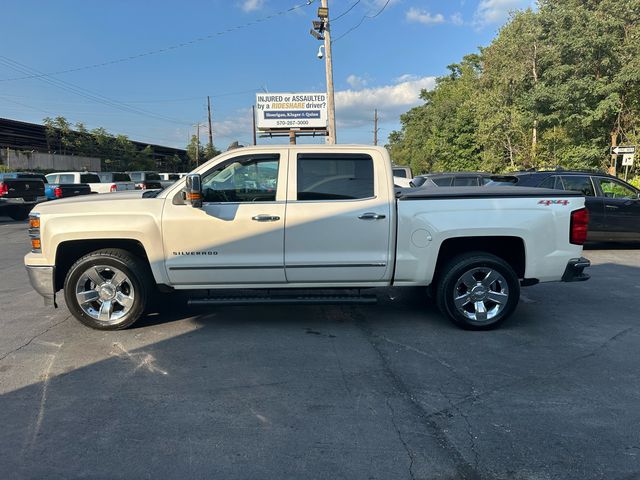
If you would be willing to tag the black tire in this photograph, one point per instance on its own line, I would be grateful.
(138, 276)
(19, 213)
(450, 285)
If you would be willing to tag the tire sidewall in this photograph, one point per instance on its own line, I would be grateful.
(449, 284)
(129, 270)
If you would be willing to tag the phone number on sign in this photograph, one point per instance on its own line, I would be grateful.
(288, 123)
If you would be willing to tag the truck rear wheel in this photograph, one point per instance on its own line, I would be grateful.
(477, 291)
(107, 289)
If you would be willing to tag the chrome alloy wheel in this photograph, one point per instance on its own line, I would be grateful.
(481, 294)
(105, 293)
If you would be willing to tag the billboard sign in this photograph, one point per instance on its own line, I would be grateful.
(291, 110)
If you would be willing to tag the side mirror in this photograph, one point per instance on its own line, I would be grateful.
(193, 190)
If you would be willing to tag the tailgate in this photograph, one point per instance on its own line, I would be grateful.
(74, 189)
(27, 188)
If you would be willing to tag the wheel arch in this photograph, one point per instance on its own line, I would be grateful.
(68, 252)
(511, 249)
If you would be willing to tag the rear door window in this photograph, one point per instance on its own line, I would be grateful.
(465, 181)
(442, 181)
(335, 177)
(578, 183)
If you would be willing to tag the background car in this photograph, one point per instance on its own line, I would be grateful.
(613, 204)
(168, 179)
(145, 180)
(453, 179)
(19, 194)
(118, 181)
(402, 171)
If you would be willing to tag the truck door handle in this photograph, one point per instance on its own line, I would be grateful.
(265, 218)
(371, 216)
(612, 206)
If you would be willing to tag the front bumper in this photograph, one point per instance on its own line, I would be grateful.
(42, 279)
(575, 270)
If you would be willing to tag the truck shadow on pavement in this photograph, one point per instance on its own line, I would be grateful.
(384, 391)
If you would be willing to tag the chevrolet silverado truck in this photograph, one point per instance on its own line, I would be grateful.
(304, 224)
(19, 194)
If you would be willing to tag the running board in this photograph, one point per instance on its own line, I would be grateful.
(308, 299)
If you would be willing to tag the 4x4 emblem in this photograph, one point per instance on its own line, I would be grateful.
(553, 202)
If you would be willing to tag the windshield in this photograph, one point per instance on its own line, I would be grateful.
(153, 176)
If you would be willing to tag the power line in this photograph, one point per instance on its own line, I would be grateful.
(84, 93)
(165, 49)
(365, 17)
(346, 11)
(163, 100)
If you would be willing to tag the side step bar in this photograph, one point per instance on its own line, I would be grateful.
(308, 299)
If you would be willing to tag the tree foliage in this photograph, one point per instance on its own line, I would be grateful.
(556, 87)
(117, 152)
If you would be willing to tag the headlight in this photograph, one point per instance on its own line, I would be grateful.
(34, 232)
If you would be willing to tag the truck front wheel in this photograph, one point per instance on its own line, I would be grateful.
(107, 289)
(477, 290)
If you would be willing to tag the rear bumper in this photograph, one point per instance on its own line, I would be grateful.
(42, 279)
(21, 202)
(575, 270)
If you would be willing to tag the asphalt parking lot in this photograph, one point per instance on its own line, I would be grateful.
(387, 391)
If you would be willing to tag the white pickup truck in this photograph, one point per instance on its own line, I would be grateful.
(93, 180)
(290, 223)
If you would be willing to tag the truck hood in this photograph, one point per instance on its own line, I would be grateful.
(101, 202)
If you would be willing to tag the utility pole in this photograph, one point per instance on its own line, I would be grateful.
(253, 111)
(210, 127)
(331, 107)
(375, 127)
(198, 144)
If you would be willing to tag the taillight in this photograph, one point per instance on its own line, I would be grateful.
(141, 186)
(114, 188)
(4, 188)
(579, 226)
(57, 192)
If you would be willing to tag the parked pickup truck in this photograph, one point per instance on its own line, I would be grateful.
(90, 178)
(277, 219)
(167, 179)
(146, 180)
(117, 181)
(19, 195)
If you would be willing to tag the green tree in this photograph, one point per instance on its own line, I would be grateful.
(195, 151)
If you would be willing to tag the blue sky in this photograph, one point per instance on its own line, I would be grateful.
(158, 97)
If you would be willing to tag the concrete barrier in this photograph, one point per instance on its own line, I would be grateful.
(18, 160)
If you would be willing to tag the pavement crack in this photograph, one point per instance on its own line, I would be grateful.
(464, 469)
(26, 344)
(410, 454)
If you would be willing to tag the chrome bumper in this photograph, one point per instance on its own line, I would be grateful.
(42, 279)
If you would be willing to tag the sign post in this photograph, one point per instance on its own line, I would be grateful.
(628, 153)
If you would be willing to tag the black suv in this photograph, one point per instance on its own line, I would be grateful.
(614, 205)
